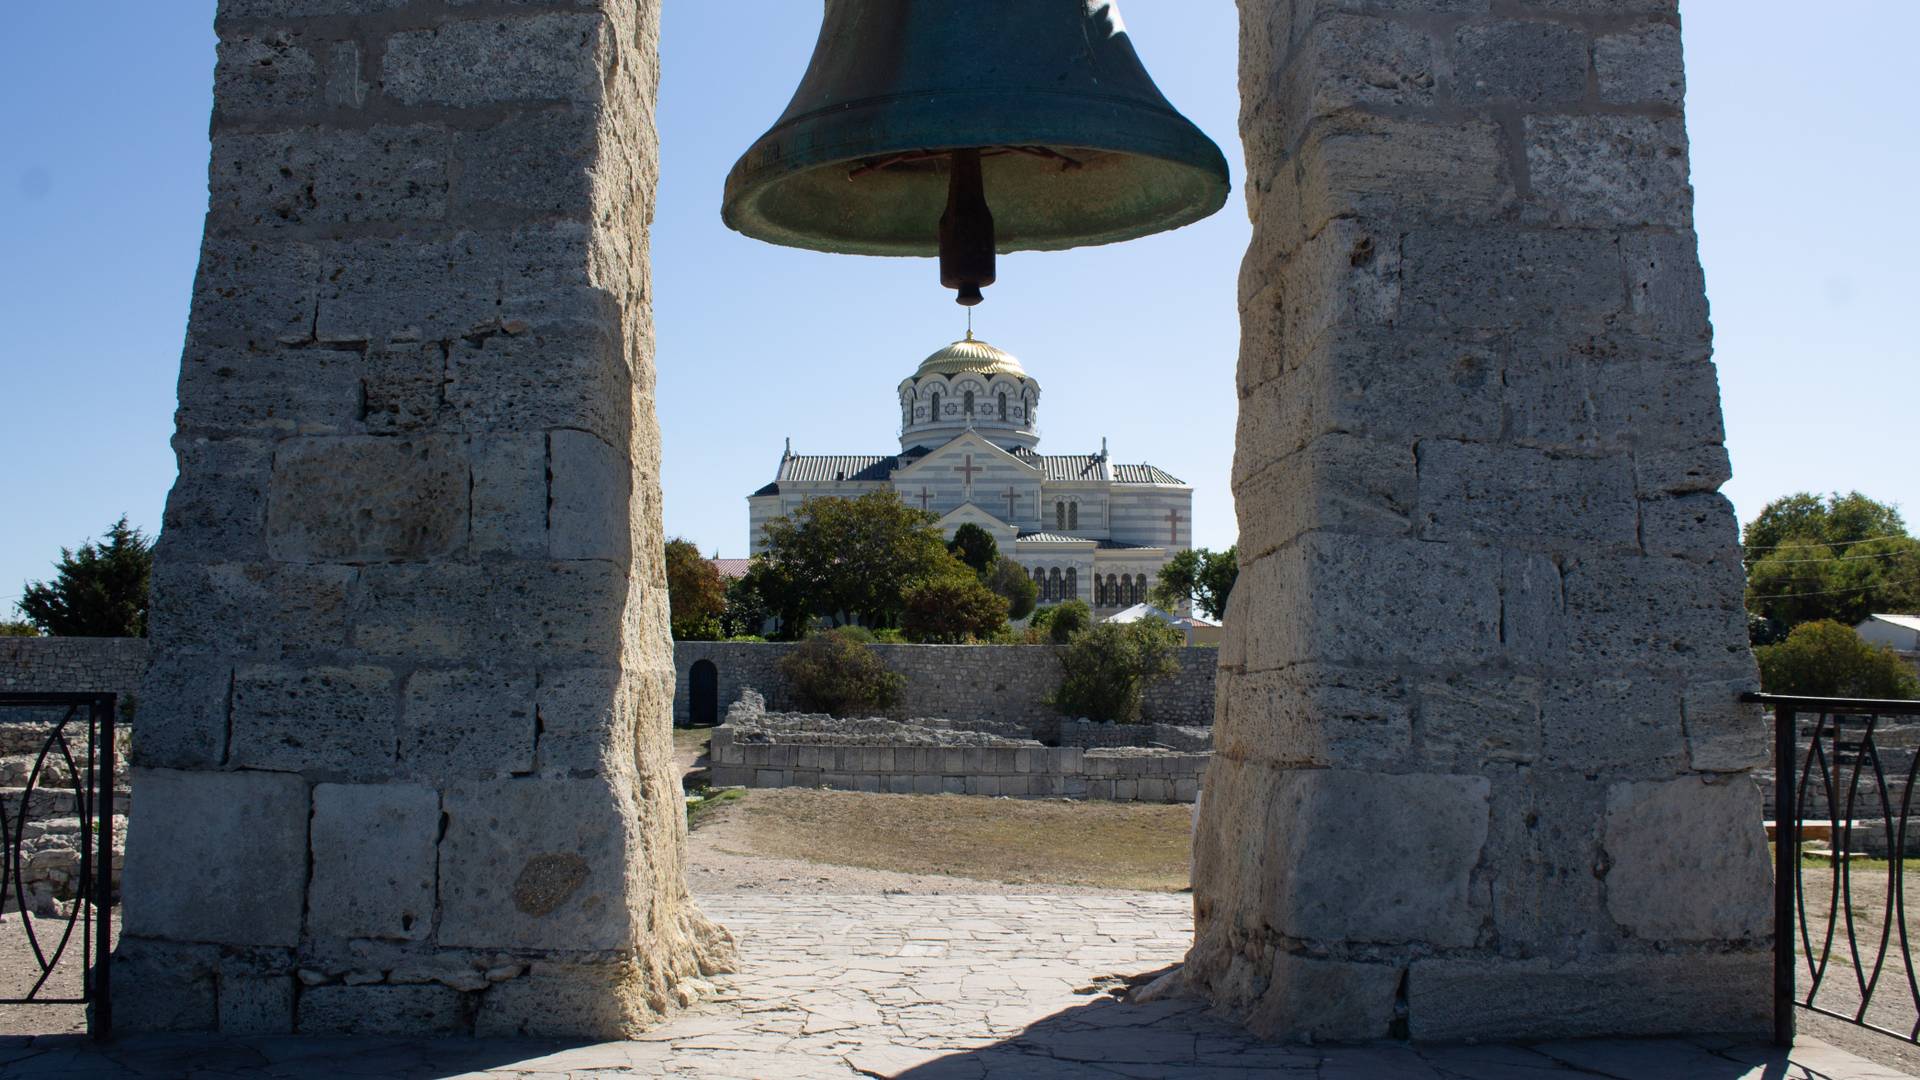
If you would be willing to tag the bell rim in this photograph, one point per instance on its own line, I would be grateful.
(1154, 133)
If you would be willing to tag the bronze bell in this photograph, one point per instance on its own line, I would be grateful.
(965, 127)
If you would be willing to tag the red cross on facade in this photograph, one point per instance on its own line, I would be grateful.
(967, 472)
(1011, 494)
(1173, 526)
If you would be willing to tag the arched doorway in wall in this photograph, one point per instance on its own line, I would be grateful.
(703, 694)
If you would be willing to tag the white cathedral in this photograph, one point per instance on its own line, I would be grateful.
(1084, 526)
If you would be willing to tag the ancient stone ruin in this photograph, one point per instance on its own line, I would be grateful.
(403, 761)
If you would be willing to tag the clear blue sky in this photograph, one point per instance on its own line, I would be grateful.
(1805, 154)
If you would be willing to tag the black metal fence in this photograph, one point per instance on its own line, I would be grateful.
(1844, 772)
(56, 790)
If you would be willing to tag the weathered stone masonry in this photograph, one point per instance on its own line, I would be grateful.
(1480, 771)
(404, 760)
(963, 682)
(72, 665)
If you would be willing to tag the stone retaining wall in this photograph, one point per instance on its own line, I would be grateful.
(72, 665)
(986, 682)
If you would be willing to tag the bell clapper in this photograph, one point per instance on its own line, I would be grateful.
(966, 230)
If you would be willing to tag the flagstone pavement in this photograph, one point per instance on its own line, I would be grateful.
(930, 988)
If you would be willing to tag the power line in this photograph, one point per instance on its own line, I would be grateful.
(1763, 597)
(1823, 543)
(1842, 558)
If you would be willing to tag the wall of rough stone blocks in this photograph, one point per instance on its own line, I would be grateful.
(404, 760)
(1480, 767)
(957, 682)
(1017, 771)
(72, 665)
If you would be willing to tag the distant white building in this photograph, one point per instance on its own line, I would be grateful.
(1901, 633)
(1196, 628)
(1084, 526)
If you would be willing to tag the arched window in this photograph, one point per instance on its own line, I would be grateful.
(1060, 516)
(1126, 590)
(1040, 582)
(1003, 404)
(936, 405)
(1113, 591)
(1055, 585)
(1073, 516)
(969, 403)
(1073, 583)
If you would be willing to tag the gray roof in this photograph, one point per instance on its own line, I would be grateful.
(1062, 538)
(873, 468)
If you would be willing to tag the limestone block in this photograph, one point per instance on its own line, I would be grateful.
(229, 390)
(1683, 471)
(589, 511)
(344, 86)
(529, 163)
(248, 607)
(330, 176)
(1724, 734)
(363, 498)
(1463, 722)
(256, 1004)
(1641, 65)
(1689, 860)
(382, 1010)
(164, 986)
(251, 291)
(1494, 278)
(1336, 482)
(1525, 498)
(466, 724)
(1367, 165)
(220, 501)
(373, 861)
(403, 386)
(509, 494)
(1388, 387)
(1700, 526)
(1533, 62)
(1544, 834)
(1450, 1000)
(425, 611)
(1609, 171)
(389, 289)
(263, 72)
(1655, 612)
(482, 61)
(328, 721)
(183, 713)
(234, 10)
(244, 834)
(565, 1000)
(1666, 288)
(1618, 727)
(1327, 1000)
(536, 864)
(1429, 828)
(542, 377)
(1314, 715)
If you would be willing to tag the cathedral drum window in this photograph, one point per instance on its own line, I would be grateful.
(1003, 404)
(969, 406)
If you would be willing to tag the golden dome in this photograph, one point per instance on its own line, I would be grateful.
(971, 355)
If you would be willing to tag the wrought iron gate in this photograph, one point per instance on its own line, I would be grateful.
(1845, 801)
(57, 787)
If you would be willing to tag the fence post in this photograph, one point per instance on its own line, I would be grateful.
(1786, 868)
(101, 1022)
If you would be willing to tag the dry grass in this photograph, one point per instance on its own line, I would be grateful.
(1018, 841)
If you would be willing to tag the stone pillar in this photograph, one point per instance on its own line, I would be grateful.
(403, 760)
(1481, 772)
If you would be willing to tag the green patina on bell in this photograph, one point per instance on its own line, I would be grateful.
(965, 127)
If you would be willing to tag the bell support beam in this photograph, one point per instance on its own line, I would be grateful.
(1481, 772)
(404, 762)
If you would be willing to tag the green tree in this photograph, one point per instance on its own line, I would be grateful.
(845, 559)
(1197, 574)
(1828, 659)
(696, 594)
(18, 629)
(98, 591)
(747, 611)
(1106, 669)
(951, 610)
(976, 547)
(1010, 580)
(1841, 558)
(836, 673)
(1064, 620)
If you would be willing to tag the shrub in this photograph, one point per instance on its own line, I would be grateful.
(1826, 659)
(1068, 619)
(976, 547)
(835, 672)
(1011, 581)
(1106, 669)
(952, 609)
